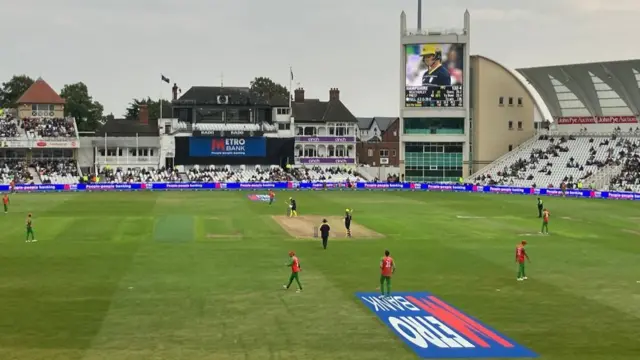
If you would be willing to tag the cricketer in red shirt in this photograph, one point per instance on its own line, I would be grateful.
(5, 202)
(387, 268)
(545, 222)
(294, 263)
(272, 196)
(521, 256)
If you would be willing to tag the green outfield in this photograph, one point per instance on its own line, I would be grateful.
(198, 275)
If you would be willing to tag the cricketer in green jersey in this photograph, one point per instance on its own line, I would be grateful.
(30, 229)
(294, 263)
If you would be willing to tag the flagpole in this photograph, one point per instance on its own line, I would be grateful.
(290, 84)
(160, 103)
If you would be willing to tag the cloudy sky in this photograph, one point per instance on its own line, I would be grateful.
(120, 47)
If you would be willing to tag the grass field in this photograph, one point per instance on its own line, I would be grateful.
(198, 275)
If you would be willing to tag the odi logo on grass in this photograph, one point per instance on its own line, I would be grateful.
(258, 197)
(435, 329)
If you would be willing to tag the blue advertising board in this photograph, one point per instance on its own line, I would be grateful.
(227, 146)
(434, 329)
(318, 185)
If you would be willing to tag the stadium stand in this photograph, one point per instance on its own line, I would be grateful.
(57, 171)
(552, 159)
(242, 173)
(331, 174)
(49, 127)
(8, 126)
(15, 170)
(138, 175)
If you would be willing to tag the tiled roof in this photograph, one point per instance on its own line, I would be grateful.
(129, 128)
(237, 96)
(314, 110)
(40, 93)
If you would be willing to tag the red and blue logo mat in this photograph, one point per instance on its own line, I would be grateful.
(258, 197)
(435, 329)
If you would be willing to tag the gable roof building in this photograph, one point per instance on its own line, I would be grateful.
(40, 93)
(370, 127)
(316, 111)
(233, 95)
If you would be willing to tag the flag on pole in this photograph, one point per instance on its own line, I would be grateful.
(291, 71)
(165, 79)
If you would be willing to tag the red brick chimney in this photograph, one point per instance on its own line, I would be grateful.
(143, 114)
(298, 95)
(174, 90)
(334, 94)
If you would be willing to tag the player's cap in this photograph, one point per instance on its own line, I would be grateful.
(290, 198)
(347, 210)
(324, 221)
(292, 253)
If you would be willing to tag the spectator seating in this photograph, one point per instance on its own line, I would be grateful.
(242, 173)
(49, 127)
(549, 160)
(139, 175)
(329, 174)
(57, 171)
(8, 127)
(234, 127)
(14, 170)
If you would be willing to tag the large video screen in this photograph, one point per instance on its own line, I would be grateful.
(434, 75)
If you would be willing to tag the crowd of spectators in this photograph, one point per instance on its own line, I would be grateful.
(328, 174)
(241, 174)
(48, 127)
(137, 175)
(57, 171)
(15, 170)
(8, 126)
(629, 177)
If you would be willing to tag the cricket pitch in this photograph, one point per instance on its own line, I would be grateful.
(301, 227)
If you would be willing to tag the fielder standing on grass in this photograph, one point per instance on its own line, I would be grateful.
(30, 229)
(545, 222)
(540, 207)
(521, 256)
(387, 268)
(5, 202)
(324, 233)
(294, 263)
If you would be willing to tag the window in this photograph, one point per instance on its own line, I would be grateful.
(510, 147)
(282, 111)
(519, 125)
(501, 101)
(284, 126)
(519, 101)
(510, 125)
(384, 153)
(393, 153)
(370, 152)
(510, 101)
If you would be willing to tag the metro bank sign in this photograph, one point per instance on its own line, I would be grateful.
(207, 146)
(434, 329)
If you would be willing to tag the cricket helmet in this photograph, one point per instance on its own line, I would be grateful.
(431, 49)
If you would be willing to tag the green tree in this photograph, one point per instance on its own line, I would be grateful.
(268, 89)
(13, 89)
(81, 106)
(152, 105)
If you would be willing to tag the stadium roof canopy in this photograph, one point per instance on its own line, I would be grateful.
(593, 89)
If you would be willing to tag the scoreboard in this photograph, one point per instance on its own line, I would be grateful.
(433, 96)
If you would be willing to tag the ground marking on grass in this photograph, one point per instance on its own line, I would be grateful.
(629, 231)
(470, 217)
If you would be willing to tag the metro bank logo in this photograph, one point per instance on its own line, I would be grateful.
(228, 146)
(435, 329)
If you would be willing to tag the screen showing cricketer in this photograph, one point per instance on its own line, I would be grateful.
(434, 75)
(228, 146)
(435, 329)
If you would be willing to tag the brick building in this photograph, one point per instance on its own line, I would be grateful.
(378, 141)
